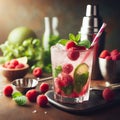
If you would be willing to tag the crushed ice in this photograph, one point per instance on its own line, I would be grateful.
(34, 111)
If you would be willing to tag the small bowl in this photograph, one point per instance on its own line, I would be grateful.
(110, 70)
(12, 74)
(24, 84)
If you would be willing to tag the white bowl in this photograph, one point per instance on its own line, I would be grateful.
(110, 70)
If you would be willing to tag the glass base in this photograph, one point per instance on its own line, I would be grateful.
(65, 99)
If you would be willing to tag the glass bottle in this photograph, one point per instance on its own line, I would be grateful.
(50, 37)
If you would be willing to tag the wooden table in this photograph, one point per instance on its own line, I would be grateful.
(9, 110)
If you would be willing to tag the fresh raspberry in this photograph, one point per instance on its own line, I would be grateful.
(66, 80)
(10, 66)
(58, 82)
(74, 94)
(114, 52)
(81, 47)
(58, 90)
(42, 100)
(108, 58)
(8, 90)
(20, 65)
(14, 62)
(32, 95)
(104, 53)
(70, 44)
(67, 68)
(37, 72)
(6, 64)
(73, 53)
(108, 94)
(44, 87)
(116, 57)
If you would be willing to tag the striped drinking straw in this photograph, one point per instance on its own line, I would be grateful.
(95, 40)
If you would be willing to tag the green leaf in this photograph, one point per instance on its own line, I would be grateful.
(57, 70)
(54, 39)
(85, 43)
(68, 89)
(72, 37)
(78, 36)
(63, 41)
(16, 94)
(21, 100)
(80, 81)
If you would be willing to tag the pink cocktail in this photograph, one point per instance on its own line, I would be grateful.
(72, 75)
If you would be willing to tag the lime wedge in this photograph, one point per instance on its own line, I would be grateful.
(23, 60)
(81, 75)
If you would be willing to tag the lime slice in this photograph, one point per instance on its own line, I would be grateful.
(81, 75)
(23, 60)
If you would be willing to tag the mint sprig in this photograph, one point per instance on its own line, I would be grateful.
(16, 94)
(19, 98)
(85, 43)
(76, 39)
(57, 70)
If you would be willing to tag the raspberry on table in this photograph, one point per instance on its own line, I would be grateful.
(32, 95)
(44, 87)
(37, 72)
(42, 100)
(8, 90)
(108, 94)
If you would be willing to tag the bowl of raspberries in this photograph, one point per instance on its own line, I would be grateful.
(109, 63)
(14, 69)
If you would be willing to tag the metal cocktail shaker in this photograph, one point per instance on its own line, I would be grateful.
(90, 26)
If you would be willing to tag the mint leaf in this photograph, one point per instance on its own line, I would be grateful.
(85, 43)
(57, 70)
(78, 37)
(71, 36)
(16, 94)
(21, 100)
(80, 81)
(68, 89)
(63, 41)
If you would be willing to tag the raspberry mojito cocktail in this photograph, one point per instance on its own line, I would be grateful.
(71, 66)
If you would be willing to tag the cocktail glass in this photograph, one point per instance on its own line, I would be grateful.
(72, 74)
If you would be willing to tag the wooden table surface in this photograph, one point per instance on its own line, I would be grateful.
(9, 110)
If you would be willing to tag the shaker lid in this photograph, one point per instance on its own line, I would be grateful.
(92, 10)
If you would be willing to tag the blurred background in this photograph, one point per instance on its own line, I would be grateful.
(31, 13)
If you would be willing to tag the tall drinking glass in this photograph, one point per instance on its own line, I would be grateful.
(72, 74)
